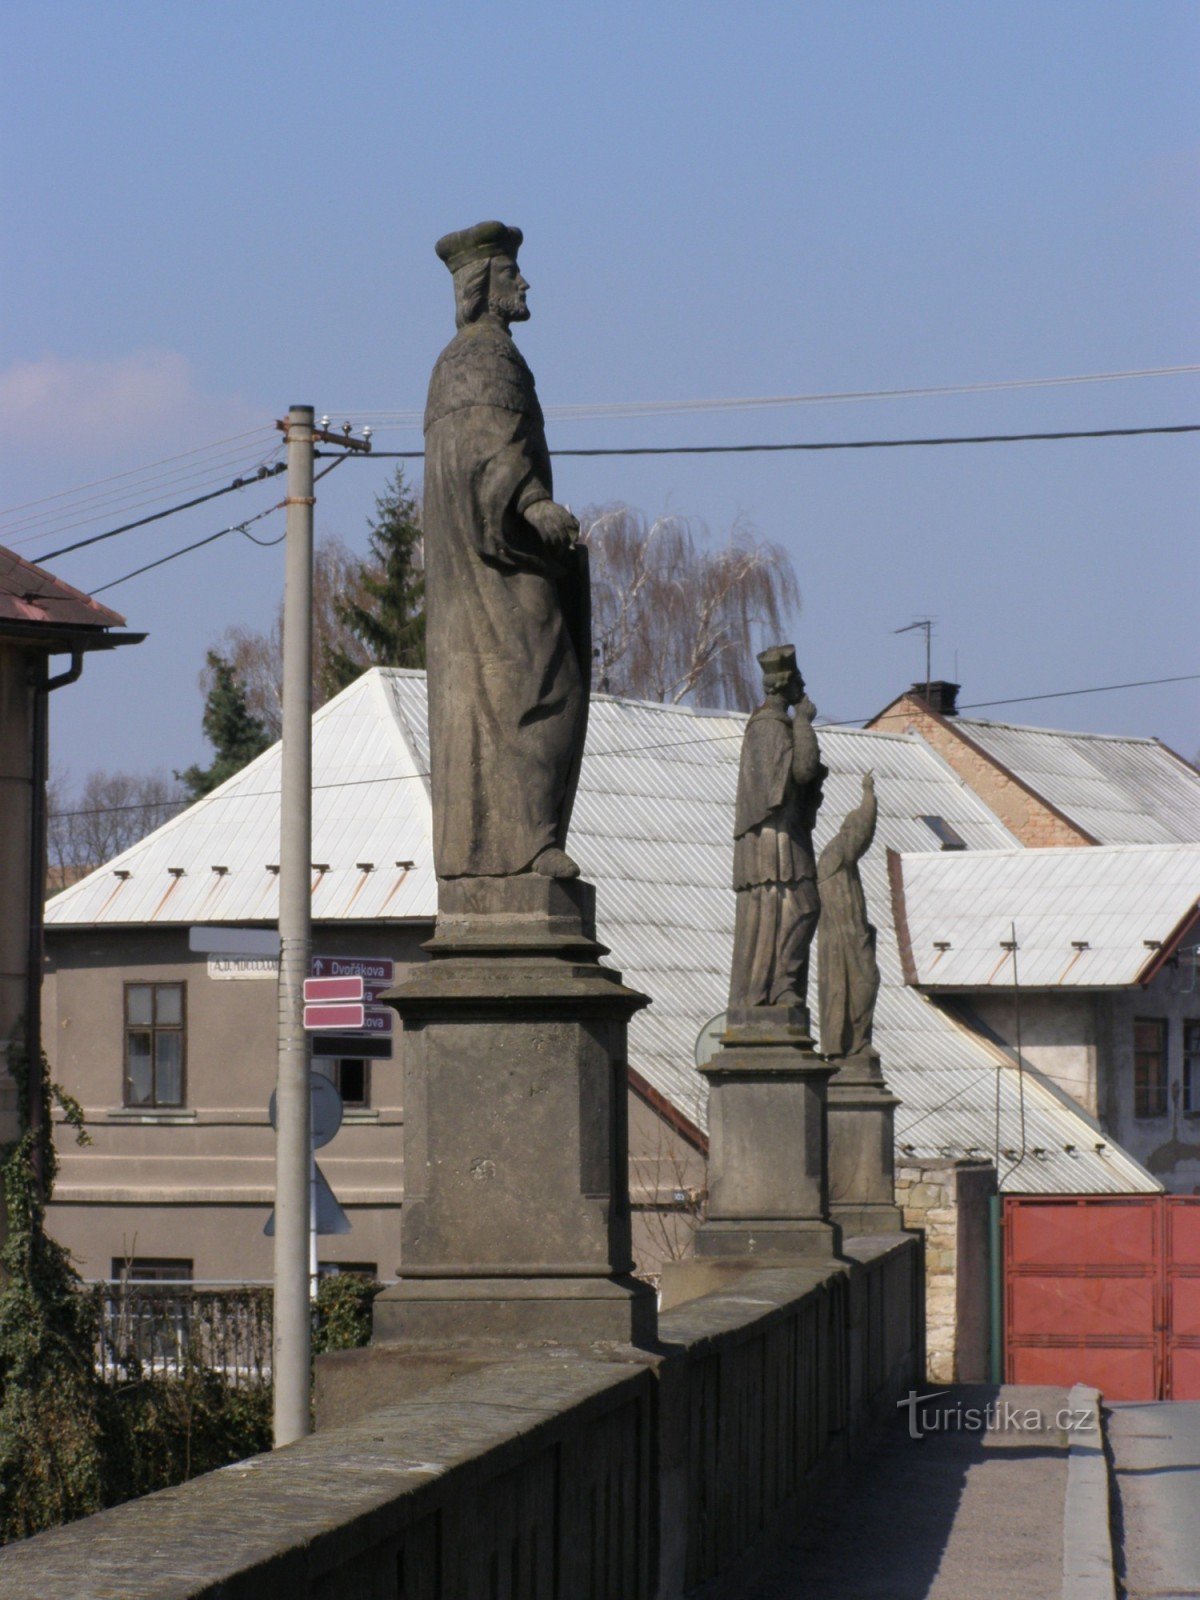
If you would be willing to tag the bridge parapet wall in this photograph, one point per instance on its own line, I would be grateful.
(547, 1473)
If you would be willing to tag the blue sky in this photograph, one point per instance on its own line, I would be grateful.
(214, 211)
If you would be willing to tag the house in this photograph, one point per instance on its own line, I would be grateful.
(40, 617)
(1051, 787)
(173, 1054)
(1083, 961)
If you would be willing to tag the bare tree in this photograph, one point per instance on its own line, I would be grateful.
(257, 657)
(674, 619)
(111, 811)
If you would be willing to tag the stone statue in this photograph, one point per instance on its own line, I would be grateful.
(847, 971)
(778, 797)
(506, 590)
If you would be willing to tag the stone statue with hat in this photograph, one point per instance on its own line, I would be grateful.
(506, 590)
(778, 796)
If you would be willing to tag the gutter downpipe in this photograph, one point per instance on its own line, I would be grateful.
(43, 686)
(995, 1289)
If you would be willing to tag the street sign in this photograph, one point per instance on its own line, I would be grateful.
(377, 971)
(330, 1217)
(352, 1046)
(378, 1019)
(326, 989)
(234, 941)
(326, 1109)
(323, 1017)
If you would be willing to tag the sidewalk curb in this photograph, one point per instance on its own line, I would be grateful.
(1087, 1532)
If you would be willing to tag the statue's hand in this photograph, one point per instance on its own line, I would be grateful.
(553, 522)
(868, 782)
(806, 709)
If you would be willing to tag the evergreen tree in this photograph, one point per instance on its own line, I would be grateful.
(384, 610)
(236, 735)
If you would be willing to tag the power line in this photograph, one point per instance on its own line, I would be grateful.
(632, 408)
(639, 749)
(235, 527)
(51, 524)
(157, 516)
(137, 471)
(838, 444)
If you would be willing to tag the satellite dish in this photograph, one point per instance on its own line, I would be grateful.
(709, 1038)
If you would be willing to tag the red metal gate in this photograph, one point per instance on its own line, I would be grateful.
(1104, 1289)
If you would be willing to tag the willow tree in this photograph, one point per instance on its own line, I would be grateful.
(675, 618)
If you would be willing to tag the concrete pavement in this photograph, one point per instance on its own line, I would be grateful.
(1156, 1465)
(970, 1509)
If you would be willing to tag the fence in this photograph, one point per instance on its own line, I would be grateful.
(167, 1329)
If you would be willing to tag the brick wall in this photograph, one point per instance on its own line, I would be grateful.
(1033, 822)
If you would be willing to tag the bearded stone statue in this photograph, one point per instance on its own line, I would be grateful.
(506, 590)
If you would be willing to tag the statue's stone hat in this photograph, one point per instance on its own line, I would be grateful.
(485, 239)
(778, 658)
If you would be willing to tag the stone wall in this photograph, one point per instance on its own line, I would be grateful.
(548, 1472)
(948, 1201)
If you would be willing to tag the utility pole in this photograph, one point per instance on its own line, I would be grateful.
(293, 1152)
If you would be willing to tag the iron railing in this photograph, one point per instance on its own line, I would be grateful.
(168, 1329)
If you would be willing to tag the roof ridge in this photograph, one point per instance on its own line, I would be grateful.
(1053, 733)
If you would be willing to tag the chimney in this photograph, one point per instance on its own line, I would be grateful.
(942, 696)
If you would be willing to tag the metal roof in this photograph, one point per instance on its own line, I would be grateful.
(1121, 791)
(1084, 917)
(653, 830)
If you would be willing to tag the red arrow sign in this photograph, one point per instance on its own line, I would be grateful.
(317, 989)
(318, 1017)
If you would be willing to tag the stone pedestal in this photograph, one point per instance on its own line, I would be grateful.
(862, 1150)
(516, 1221)
(768, 1194)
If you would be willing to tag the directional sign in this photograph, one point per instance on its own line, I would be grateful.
(352, 1046)
(324, 1018)
(326, 989)
(379, 1019)
(378, 971)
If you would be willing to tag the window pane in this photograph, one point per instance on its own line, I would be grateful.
(139, 1083)
(168, 1062)
(352, 1081)
(139, 1002)
(169, 1000)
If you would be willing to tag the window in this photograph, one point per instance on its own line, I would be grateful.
(1149, 1066)
(1191, 1068)
(339, 1269)
(151, 1269)
(154, 1044)
(350, 1077)
(949, 838)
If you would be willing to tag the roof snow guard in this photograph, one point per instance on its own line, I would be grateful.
(1101, 917)
(653, 829)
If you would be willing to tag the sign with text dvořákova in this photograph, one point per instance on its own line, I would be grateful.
(370, 1040)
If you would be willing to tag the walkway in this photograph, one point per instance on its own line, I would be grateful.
(970, 1510)
(1156, 1457)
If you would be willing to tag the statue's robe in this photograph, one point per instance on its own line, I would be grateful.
(847, 969)
(773, 869)
(507, 618)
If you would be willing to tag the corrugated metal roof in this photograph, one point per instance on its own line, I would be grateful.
(653, 830)
(1084, 918)
(1121, 791)
(370, 809)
